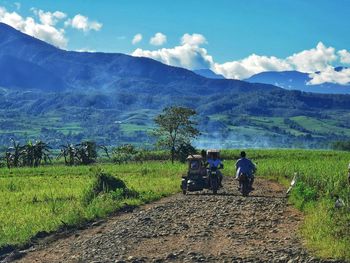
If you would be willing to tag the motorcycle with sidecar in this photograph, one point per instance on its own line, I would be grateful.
(198, 177)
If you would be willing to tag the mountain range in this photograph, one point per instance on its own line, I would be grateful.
(27, 62)
(290, 80)
(65, 96)
(207, 73)
(295, 80)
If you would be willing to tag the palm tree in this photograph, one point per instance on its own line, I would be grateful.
(14, 154)
(41, 152)
(86, 152)
(69, 153)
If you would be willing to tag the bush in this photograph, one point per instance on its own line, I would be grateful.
(105, 183)
(341, 145)
(303, 194)
(125, 153)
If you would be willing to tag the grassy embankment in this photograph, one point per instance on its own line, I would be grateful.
(41, 199)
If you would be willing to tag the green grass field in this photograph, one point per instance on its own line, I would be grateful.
(46, 198)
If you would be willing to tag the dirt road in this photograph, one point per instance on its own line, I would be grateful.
(197, 227)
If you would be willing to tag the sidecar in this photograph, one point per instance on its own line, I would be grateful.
(196, 178)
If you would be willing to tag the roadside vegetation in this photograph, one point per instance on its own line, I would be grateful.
(322, 192)
(55, 196)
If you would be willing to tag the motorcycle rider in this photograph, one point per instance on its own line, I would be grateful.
(214, 162)
(244, 165)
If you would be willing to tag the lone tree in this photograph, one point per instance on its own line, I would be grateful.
(175, 128)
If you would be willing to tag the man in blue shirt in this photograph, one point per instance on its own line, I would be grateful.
(244, 165)
(215, 162)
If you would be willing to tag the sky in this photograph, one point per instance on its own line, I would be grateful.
(235, 38)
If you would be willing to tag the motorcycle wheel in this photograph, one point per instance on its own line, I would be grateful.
(184, 191)
(214, 186)
(245, 189)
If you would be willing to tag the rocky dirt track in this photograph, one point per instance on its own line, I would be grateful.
(198, 227)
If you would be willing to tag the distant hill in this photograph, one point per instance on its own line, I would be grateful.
(64, 96)
(207, 73)
(294, 80)
(100, 71)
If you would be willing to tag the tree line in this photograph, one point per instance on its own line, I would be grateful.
(175, 130)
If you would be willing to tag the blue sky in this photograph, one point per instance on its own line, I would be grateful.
(231, 30)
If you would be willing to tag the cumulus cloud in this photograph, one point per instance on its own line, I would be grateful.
(187, 55)
(158, 39)
(137, 38)
(45, 25)
(191, 55)
(46, 32)
(83, 23)
(344, 56)
(330, 75)
(312, 60)
(48, 18)
(315, 59)
(251, 65)
(193, 39)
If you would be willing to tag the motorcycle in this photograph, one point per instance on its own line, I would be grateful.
(245, 184)
(213, 179)
(198, 177)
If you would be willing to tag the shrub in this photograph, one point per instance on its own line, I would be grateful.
(105, 183)
(125, 153)
(341, 145)
(303, 194)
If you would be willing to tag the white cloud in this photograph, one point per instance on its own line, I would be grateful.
(330, 75)
(193, 40)
(186, 55)
(28, 25)
(137, 38)
(242, 69)
(83, 23)
(312, 60)
(315, 59)
(344, 56)
(189, 54)
(158, 39)
(86, 50)
(48, 18)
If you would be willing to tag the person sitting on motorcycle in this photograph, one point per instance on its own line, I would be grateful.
(215, 162)
(246, 166)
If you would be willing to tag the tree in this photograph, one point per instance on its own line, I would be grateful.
(86, 152)
(14, 154)
(31, 154)
(341, 145)
(83, 153)
(175, 128)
